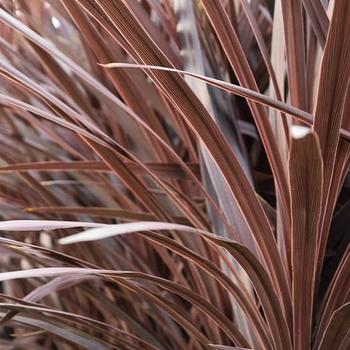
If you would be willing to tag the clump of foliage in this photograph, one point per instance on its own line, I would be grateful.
(203, 146)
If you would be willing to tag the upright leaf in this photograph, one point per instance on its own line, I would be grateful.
(305, 173)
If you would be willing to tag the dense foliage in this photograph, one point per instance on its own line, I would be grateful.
(173, 174)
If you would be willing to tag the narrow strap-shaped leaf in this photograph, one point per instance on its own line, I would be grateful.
(249, 94)
(337, 294)
(35, 225)
(333, 85)
(333, 101)
(266, 57)
(103, 212)
(318, 18)
(295, 50)
(336, 334)
(166, 170)
(225, 347)
(305, 172)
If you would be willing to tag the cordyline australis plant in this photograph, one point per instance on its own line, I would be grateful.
(204, 148)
